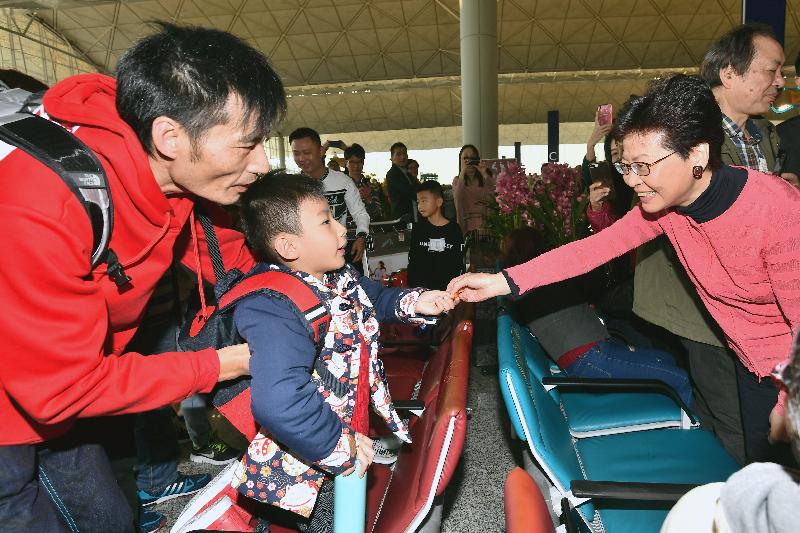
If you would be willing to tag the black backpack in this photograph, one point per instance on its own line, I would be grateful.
(73, 161)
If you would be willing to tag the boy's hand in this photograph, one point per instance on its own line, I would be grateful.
(433, 303)
(364, 455)
(234, 361)
(478, 287)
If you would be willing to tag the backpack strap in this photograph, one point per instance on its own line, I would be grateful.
(293, 288)
(78, 167)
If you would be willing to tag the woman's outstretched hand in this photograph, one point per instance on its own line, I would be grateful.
(478, 287)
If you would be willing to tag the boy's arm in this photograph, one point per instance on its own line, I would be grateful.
(285, 398)
(393, 304)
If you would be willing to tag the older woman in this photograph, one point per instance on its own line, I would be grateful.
(736, 231)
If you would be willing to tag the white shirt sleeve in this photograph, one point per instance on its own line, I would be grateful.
(356, 206)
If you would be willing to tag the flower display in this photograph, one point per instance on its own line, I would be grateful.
(554, 203)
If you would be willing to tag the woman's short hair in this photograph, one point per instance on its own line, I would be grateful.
(683, 110)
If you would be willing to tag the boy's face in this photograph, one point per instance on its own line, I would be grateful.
(428, 203)
(320, 246)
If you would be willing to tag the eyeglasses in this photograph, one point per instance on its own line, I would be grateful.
(788, 99)
(639, 168)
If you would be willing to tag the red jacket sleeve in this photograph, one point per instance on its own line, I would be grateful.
(235, 253)
(579, 257)
(55, 329)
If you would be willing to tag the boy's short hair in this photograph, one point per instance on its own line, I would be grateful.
(356, 150)
(305, 133)
(395, 146)
(271, 206)
(431, 186)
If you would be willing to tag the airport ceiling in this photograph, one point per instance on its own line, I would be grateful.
(365, 65)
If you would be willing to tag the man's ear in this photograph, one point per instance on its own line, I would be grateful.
(285, 245)
(726, 75)
(167, 136)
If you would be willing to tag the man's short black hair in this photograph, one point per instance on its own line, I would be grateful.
(271, 206)
(431, 186)
(683, 110)
(356, 150)
(188, 73)
(395, 146)
(305, 133)
(735, 49)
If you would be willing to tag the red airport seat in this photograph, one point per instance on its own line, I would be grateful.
(403, 499)
(525, 507)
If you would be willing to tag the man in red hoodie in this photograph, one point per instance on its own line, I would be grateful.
(183, 123)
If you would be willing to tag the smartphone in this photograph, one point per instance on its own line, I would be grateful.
(337, 144)
(605, 114)
(473, 161)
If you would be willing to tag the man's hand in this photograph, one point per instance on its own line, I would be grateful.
(778, 432)
(357, 251)
(478, 287)
(364, 455)
(597, 195)
(234, 361)
(433, 303)
(792, 178)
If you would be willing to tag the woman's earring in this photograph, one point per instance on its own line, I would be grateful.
(697, 172)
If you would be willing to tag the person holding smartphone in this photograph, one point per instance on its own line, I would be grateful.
(472, 187)
(609, 198)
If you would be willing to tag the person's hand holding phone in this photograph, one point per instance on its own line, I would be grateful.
(602, 127)
(598, 192)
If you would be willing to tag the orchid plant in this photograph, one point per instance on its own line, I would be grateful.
(553, 203)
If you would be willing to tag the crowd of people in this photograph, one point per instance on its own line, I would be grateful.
(698, 195)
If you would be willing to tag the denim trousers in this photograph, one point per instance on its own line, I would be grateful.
(613, 359)
(157, 449)
(58, 486)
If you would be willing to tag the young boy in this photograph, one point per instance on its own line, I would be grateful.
(308, 419)
(437, 247)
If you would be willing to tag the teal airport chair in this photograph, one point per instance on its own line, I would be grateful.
(592, 406)
(615, 482)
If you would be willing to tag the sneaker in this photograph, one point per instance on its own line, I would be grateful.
(150, 521)
(216, 453)
(386, 449)
(185, 485)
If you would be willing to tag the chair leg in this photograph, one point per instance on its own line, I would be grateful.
(433, 522)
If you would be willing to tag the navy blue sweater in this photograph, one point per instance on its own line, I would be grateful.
(285, 398)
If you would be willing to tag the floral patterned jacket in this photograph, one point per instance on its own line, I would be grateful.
(302, 441)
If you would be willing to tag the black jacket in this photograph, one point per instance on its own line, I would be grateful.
(402, 192)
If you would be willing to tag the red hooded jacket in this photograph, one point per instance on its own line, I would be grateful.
(64, 327)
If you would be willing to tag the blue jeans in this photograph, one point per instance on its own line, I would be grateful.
(612, 359)
(59, 486)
